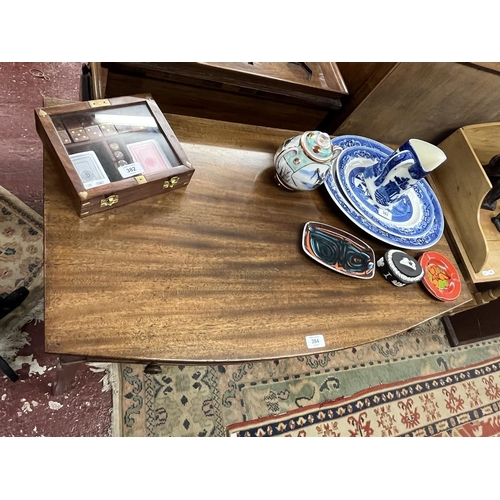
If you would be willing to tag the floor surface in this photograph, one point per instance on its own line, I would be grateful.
(27, 407)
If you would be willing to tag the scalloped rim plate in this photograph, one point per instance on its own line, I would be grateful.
(335, 192)
(411, 243)
(425, 209)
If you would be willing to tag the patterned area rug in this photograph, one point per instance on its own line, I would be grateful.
(207, 400)
(463, 403)
(21, 264)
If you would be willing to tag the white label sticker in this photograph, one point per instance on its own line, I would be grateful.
(489, 272)
(130, 170)
(314, 341)
(385, 213)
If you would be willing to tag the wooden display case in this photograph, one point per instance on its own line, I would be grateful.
(111, 152)
(461, 184)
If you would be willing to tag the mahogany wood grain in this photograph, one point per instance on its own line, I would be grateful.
(494, 67)
(292, 79)
(363, 75)
(214, 272)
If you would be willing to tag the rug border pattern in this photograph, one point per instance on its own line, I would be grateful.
(375, 396)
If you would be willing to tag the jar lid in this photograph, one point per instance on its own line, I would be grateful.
(317, 145)
(404, 266)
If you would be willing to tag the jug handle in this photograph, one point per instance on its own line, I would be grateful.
(382, 175)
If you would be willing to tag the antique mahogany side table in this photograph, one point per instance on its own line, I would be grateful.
(215, 272)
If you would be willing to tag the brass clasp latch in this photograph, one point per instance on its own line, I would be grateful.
(99, 102)
(110, 200)
(170, 183)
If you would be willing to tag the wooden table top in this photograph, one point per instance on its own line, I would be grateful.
(214, 272)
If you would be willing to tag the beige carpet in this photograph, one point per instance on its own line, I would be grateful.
(207, 400)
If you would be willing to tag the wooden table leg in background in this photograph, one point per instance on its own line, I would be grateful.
(67, 367)
(479, 323)
(152, 369)
(488, 295)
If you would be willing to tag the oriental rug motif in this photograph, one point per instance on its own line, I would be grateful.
(462, 403)
(21, 264)
(198, 400)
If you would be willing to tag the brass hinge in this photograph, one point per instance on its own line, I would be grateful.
(170, 183)
(42, 113)
(99, 102)
(110, 200)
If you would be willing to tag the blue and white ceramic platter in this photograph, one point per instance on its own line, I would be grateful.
(409, 242)
(350, 141)
(422, 242)
(413, 215)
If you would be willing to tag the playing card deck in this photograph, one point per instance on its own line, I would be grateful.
(89, 169)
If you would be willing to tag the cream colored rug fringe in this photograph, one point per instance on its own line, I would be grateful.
(15, 339)
(110, 382)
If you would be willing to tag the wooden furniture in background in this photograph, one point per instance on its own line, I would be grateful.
(275, 94)
(461, 185)
(392, 102)
(473, 325)
(214, 273)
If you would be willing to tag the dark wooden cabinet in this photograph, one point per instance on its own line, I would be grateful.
(287, 95)
(473, 325)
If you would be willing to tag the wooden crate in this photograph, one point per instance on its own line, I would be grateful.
(111, 152)
(461, 185)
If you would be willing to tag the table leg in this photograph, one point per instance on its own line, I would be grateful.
(152, 368)
(67, 367)
(6, 368)
(488, 295)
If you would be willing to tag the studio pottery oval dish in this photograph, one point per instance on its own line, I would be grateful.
(338, 250)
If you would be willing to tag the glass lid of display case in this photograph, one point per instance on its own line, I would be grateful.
(108, 145)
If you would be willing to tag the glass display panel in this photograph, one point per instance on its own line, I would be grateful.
(108, 145)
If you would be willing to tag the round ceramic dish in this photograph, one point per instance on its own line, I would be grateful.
(422, 242)
(413, 215)
(369, 225)
(441, 278)
(350, 141)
